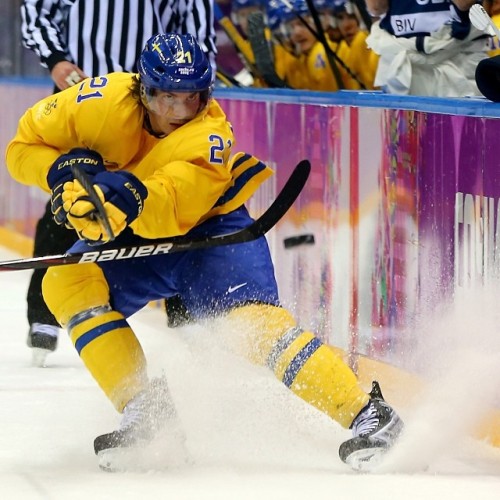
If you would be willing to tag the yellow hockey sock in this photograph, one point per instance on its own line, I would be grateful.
(318, 375)
(312, 370)
(111, 353)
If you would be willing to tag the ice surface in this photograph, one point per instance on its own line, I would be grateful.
(248, 437)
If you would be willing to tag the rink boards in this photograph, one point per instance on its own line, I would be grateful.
(403, 203)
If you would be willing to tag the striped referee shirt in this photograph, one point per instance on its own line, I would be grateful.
(102, 36)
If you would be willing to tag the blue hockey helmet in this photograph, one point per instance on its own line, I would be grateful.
(276, 12)
(341, 6)
(298, 7)
(243, 4)
(174, 63)
(322, 5)
(345, 6)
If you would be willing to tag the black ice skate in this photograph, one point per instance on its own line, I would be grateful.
(144, 418)
(374, 430)
(43, 340)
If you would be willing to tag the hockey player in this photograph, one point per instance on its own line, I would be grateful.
(309, 68)
(353, 49)
(75, 39)
(426, 48)
(157, 149)
(241, 9)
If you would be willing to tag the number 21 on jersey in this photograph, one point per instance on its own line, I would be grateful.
(93, 84)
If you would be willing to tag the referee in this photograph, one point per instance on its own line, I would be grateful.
(76, 39)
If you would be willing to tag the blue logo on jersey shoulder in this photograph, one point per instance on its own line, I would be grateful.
(320, 62)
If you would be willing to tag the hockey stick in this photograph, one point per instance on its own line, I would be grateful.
(320, 35)
(100, 212)
(227, 79)
(481, 20)
(258, 228)
(363, 12)
(234, 35)
(262, 52)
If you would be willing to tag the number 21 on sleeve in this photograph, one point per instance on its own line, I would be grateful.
(218, 152)
(89, 88)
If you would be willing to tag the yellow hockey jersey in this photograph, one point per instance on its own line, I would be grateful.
(318, 69)
(309, 71)
(361, 60)
(189, 174)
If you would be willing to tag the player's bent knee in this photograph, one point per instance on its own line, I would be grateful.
(68, 290)
(256, 328)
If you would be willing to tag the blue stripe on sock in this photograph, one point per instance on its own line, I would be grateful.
(300, 360)
(87, 314)
(282, 345)
(88, 337)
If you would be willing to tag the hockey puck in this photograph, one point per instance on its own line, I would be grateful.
(301, 239)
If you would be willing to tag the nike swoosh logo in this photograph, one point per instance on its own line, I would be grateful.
(231, 289)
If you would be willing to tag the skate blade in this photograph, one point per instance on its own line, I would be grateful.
(121, 460)
(167, 451)
(366, 460)
(39, 357)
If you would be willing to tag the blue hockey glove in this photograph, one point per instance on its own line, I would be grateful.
(88, 160)
(122, 195)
